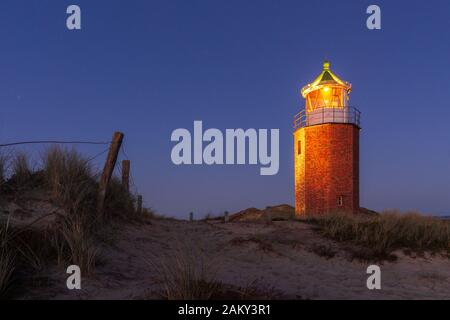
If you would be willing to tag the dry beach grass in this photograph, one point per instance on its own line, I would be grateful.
(388, 231)
(48, 214)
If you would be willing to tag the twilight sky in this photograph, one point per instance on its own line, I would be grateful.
(149, 67)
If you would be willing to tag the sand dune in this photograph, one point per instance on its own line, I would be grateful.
(281, 260)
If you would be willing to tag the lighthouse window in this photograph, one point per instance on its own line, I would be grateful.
(340, 201)
(299, 147)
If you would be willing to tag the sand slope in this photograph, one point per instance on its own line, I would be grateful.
(285, 260)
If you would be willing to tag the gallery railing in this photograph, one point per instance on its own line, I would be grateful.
(349, 115)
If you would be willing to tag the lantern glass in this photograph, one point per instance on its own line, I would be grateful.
(326, 97)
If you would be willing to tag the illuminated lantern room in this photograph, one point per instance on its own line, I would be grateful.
(326, 91)
(327, 101)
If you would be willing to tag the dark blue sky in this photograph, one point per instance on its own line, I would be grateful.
(149, 67)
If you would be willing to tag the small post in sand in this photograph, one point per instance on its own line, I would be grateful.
(226, 217)
(110, 163)
(191, 216)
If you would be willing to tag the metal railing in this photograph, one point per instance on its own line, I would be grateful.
(327, 115)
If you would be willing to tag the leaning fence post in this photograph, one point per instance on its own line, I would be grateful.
(139, 205)
(226, 217)
(191, 216)
(108, 170)
(126, 174)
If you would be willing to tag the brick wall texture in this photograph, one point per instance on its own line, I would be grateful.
(326, 169)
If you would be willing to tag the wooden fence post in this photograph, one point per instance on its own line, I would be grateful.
(108, 170)
(139, 205)
(126, 174)
(226, 217)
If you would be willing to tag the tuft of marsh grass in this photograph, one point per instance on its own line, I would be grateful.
(21, 172)
(188, 275)
(388, 231)
(7, 267)
(4, 160)
(21, 166)
(119, 202)
(74, 243)
(74, 185)
(7, 259)
(69, 177)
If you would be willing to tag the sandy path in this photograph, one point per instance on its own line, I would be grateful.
(278, 258)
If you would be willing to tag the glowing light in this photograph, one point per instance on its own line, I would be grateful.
(326, 91)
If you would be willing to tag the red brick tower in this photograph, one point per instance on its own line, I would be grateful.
(326, 148)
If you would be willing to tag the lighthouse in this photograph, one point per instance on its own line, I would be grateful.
(326, 148)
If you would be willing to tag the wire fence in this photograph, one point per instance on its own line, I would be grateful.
(9, 150)
(52, 142)
(34, 155)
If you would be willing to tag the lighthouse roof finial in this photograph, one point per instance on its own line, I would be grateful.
(327, 77)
